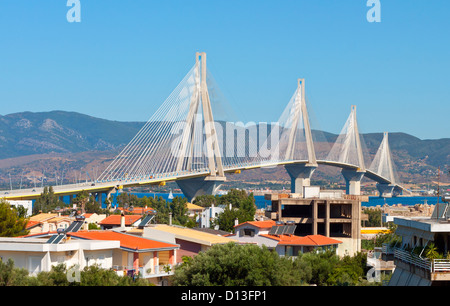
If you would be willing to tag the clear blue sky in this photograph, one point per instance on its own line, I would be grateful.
(125, 57)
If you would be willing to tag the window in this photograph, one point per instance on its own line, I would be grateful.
(248, 232)
(289, 250)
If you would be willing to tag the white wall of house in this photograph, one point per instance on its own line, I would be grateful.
(209, 214)
(35, 255)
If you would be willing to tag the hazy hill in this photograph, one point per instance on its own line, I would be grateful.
(58, 131)
(57, 142)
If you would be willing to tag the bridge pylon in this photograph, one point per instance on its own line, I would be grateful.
(193, 187)
(300, 128)
(347, 150)
(383, 165)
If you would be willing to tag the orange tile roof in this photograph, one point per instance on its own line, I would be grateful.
(115, 220)
(31, 224)
(126, 241)
(260, 224)
(310, 240)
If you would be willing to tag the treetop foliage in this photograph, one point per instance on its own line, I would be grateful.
(12, 221)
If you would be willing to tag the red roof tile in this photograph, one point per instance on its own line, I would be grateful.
(126, 240)
(310, 240)
(31, 224)
(260, 224)
(115, 220)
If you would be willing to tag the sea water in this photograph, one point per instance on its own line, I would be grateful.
(263, 203)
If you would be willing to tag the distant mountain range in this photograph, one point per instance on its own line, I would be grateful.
(51, 143)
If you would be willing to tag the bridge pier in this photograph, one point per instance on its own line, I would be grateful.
(108, 196)
(386, 190)
(397, 191)
(194, 187)
(352, 181)
(300, 176)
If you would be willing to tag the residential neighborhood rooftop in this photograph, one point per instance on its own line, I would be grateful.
(127, 241)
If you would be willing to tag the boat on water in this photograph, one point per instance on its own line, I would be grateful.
(170, 197)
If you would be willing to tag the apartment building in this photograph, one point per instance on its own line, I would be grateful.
(334, 215)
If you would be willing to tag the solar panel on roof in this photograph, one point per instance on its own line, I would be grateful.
(273, 229)
(58, 239)
(74, 226)
(290, 229)
(145, 221)
(52, 238)
(77, 226)
(279, 230)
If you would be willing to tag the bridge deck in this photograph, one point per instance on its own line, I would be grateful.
(101, 187)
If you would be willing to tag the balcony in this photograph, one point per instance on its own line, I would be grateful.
(146, 272)
(433, 269)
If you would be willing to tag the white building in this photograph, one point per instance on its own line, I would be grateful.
(208, 215)
(414, 265)
(27, 204)
(36, 255)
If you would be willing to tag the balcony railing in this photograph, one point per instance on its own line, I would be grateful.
(413, 259)
(146, 272)
(431, 265)
(441, 265)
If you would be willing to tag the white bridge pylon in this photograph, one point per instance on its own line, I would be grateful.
(179, 138)
(347, 149)
(384, 166)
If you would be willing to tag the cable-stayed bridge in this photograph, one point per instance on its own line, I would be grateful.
(190, 140)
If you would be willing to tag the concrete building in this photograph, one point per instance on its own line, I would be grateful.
(333, 217)
(415, 265)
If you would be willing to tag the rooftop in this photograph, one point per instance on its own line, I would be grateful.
(259, 224)
(310, 240)
(127, 241)
(115, 220)
(188, 234)
(43, 217)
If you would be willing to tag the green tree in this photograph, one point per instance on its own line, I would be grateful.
(243, 209)
(12, 224)
(205, 200)
(125, 199)
(47, 201)
(92, 206)
(12, 276)
(58, 276)
(237, 265)
(81, 199)
(178, 208)
(328, 269)
(374, 216)
(227, 218)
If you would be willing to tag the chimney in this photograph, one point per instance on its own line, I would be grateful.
(170, 218)
(122, 220)
(236, 221)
